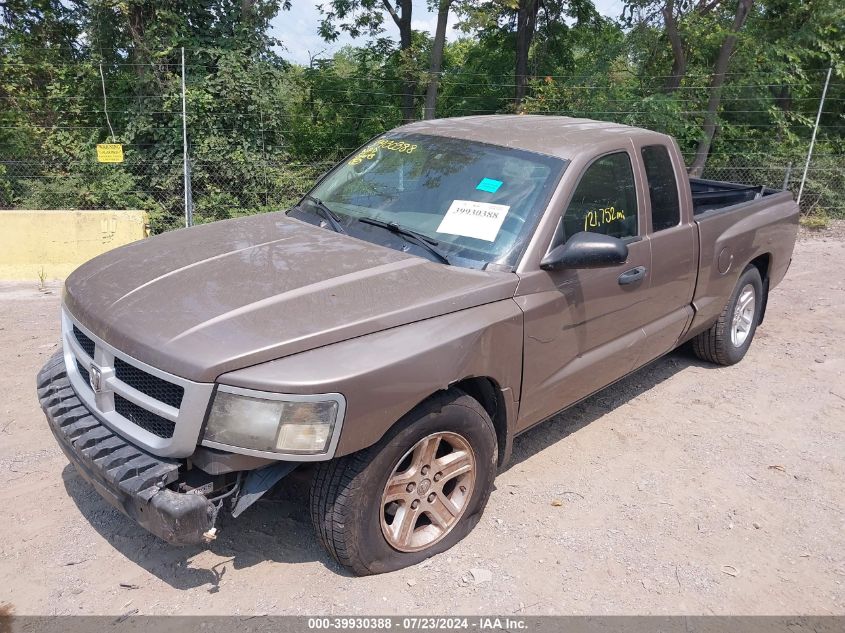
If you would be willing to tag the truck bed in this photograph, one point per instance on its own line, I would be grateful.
(743, 224)
(709, 195)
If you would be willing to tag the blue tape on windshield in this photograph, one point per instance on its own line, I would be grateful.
(489, 185)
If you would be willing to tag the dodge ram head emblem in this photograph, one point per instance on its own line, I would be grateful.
(95, 378)
(425, 484)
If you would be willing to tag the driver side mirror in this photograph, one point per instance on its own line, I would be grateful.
(586, 250)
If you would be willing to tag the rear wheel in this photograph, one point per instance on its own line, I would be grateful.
(727, 340)
(416, 493)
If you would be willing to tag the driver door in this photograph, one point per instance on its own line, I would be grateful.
(584, 327)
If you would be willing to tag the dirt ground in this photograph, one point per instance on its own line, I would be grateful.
(686, 488)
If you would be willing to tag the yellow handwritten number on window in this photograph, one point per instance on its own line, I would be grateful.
(595, 219)
(369, 152)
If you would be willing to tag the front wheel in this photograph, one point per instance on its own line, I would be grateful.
(416, 493)
(727, 340)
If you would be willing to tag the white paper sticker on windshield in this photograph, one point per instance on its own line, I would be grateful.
(468, 218)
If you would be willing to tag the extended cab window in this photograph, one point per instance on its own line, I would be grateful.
(662, 189)
(605, 200)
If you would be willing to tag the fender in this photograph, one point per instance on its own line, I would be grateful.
(386, 374)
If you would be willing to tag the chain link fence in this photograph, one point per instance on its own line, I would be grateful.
(823, 188)
(158, 187)
(246, 161)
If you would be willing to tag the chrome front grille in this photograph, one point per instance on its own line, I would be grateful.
(158, 411)
(83, 371)
(154, 387)
(147, 420)
(84, 342)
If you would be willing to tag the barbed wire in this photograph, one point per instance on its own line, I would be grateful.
(190, 65)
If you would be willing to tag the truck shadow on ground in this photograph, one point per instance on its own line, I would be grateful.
(279, 529)
(576, 417)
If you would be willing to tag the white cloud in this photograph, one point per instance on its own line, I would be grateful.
(297, 29)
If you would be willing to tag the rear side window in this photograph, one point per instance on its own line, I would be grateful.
(605, 200)
(662, 189)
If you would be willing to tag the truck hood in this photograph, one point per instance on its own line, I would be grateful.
(203, 301)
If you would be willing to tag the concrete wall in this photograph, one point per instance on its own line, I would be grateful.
(53, 243)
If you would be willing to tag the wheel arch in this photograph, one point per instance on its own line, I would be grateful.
(489, 395)
(494, 400)
(763, 264)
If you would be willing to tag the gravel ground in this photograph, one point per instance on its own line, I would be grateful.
(685, 488)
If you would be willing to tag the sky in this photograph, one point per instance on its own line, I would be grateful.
(297, 28)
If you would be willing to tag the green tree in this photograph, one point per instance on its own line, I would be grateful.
(367, 17)
(535, 31)
(717, 81)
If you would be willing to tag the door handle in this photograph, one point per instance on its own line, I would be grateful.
(632, 276)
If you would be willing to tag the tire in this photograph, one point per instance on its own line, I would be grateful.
(717, 345)
(347, 508)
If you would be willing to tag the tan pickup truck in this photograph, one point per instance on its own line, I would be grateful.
(446, 287)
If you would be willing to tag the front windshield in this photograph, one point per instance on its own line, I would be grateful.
(479, 203)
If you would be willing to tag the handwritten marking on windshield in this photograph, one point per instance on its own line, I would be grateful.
(371, 151)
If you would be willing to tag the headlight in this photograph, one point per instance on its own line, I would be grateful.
(273, 423)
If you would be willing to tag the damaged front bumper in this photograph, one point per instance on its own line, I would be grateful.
(132, 480)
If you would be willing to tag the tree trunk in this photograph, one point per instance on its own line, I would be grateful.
(716, 83)
(783, 100)
(402, 18)
(247, 16)
(526, 21)
(436, 59)
(136, 31)
(679, 58)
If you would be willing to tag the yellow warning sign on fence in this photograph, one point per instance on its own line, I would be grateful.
(109, 153)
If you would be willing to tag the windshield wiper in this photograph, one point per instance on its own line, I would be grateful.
(324, 212)
(411, 236)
